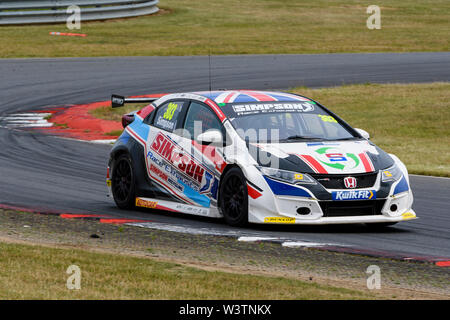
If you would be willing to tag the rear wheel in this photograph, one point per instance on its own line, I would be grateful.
(234, 198)
(123, 182)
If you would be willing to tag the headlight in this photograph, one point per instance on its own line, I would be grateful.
(287, 176)
(391, 174)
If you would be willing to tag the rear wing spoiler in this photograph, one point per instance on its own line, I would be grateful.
(118, 101)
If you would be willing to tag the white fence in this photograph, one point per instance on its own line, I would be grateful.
(54, 11)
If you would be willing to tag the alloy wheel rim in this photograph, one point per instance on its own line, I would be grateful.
(234, 197)
(122, 181)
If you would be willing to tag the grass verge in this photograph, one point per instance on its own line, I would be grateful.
(38, 272)
(186, 27)
(115, 114)
(179, 251)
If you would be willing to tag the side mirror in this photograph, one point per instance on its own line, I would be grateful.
(213, 137)
(363, 133)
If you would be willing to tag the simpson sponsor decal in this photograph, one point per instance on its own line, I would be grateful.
(245, 109)
(171, 171)
(160, 174)
(175, 156)
(180, 165)
(354, 195)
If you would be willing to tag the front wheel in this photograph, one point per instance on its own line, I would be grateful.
(123, 182)
(234, 198)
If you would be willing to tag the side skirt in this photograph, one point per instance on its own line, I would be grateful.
(176, 207)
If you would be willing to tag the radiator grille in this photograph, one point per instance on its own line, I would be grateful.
(351, 208)
(336, 181)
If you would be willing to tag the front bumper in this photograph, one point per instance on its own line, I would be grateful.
(393, 206)
(286, 213)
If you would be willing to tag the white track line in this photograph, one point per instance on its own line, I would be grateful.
(26, 120)
(186, 229)
(254, 239)
(31, 125)
(106, 141)
(238, 234)
(296, 244)
(41, 115)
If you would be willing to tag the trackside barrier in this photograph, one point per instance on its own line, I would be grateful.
(51, 11)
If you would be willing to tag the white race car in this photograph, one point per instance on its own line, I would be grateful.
(254, 156)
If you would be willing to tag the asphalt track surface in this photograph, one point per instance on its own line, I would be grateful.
(46, 172)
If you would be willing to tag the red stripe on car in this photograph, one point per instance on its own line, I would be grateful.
(258, 95)
(135, 135)
(368, 166)
(252, 192)
(228, 97)
(216, 109)
(313, 163)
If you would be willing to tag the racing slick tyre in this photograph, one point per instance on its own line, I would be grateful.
(379, 225)
(234, 198)
(123, 182)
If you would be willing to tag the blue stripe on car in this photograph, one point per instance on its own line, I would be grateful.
(245, 98)
(195, 196)
(124, 137)
(139, 128)
(402, 186)
(280, 188)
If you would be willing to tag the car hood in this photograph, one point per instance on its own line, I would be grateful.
(334, 157)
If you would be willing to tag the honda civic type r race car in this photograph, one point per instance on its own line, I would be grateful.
(254, 156)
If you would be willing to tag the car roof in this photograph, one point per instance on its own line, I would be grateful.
(246, 96)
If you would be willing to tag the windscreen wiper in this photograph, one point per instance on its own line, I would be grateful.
(298, 137)
(349, 138)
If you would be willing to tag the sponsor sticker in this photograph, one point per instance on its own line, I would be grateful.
(192, 209)
(182, 161)
(145, 203)
(326, 118)
(171, 108)
(279, 220)
(167, 114)
(244, 109)
(333, 157)
(354, 195)
(408, 215)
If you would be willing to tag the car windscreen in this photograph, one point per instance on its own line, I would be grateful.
(285, 122)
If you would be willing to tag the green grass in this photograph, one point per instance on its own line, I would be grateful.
(115, 114)
(186, 27)
(411, 121)
(36, 272)
(114, 133)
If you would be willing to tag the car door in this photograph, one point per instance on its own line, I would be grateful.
(207, 161)
(162, 151)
